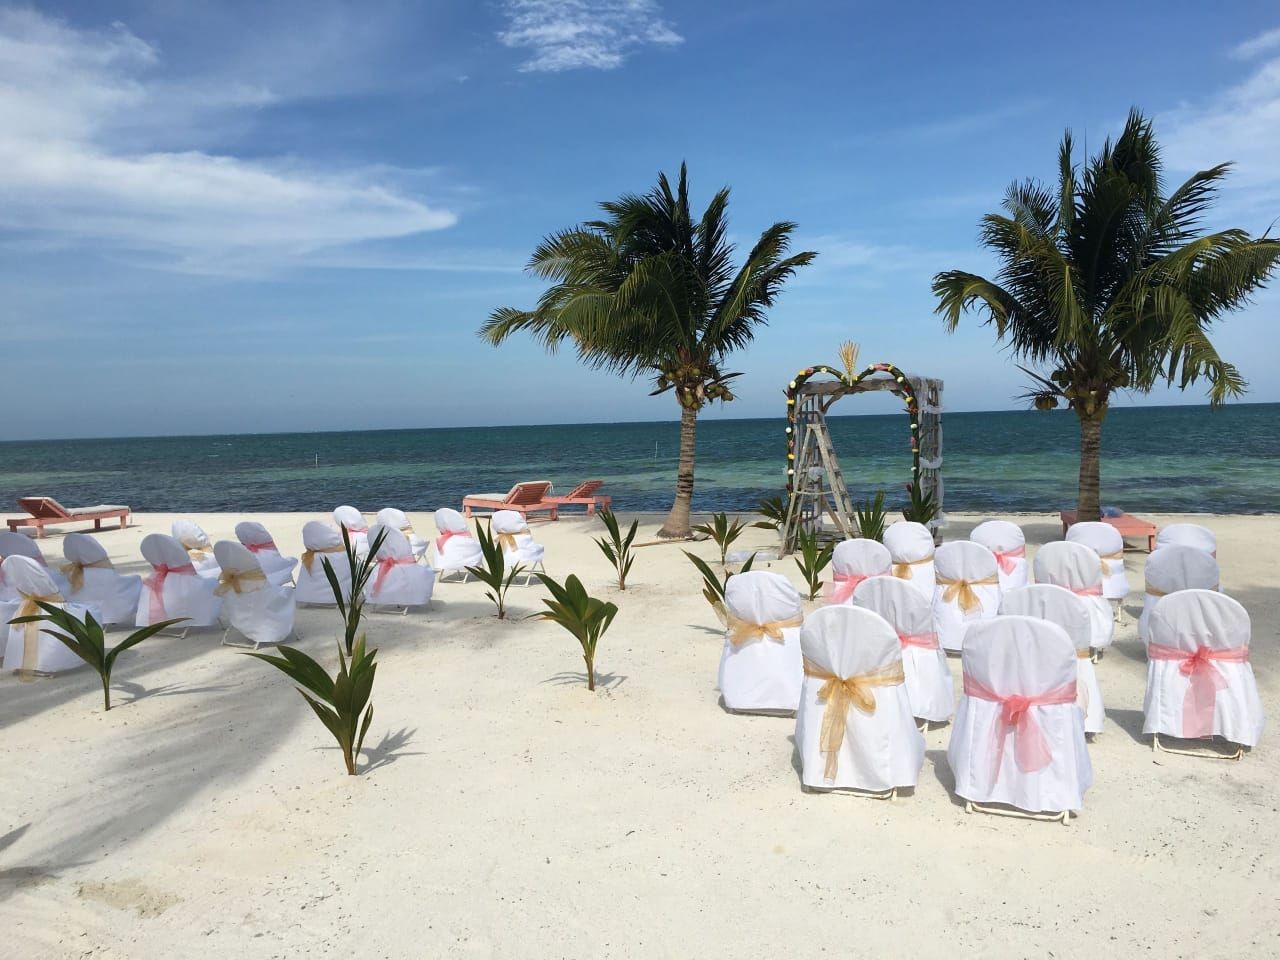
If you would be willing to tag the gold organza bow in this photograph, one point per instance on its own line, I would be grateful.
(1104, 557)
(841, 693)
(962, 590)
(508, 541)
(743, 631)
(902, 568)
(230, 580)
(196, 550)
(309, 555)
(74, 570)
(407, 530)
(29, 607)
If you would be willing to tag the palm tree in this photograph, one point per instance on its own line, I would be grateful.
(1106, 284)
(650, 291)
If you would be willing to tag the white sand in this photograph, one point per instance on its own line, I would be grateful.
(503, 811)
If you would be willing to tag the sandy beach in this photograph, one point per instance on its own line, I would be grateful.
(504, 811)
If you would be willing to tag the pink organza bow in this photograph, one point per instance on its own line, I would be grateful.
(927, 641)
(1206, 680)
(259, 547)
(1006, 558)
(386, 565)
(1093, 591)
(447, 536)
(842, 586)
(1030, 748)
(155, 583)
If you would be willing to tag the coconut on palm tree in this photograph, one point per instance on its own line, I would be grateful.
(650, 291)
(1106, 283)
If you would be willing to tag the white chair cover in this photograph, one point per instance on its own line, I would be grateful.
(258, 540)
(20, 545)
(882, 749)
(50, 655)
(1060, 606)
(398, 579)
(852, 562)
(760, 665)
(1188, 535)
(929, 684)
(399, 520)
(1104, 540)
(321, 541)
(261, 611)
(455, 548)
(357, 528)
(509, 523)
(199, 550)
(910, 547)
(173, 589)
(1217, 694)
(1174, 568)
(1075, 567)
(100, 586)
(995, 761)
(965, 572)
(1007, 541)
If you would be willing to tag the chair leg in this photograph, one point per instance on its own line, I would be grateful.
(1205, 754)
(1063, 816)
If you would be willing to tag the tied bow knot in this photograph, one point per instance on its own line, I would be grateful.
(309, 554)
(1007, 559)
(744, 631)
(841, 693)
(29, 606)
(263, 546)
(74, 570)
(926, 641)
(1030, 748)
(961, 591)
(508, 541)
(196, 550)
(842, 586)
(239, 581)
(155, 584)
(449, 535)
(902, 568)
(386, 565)
(1200, 703)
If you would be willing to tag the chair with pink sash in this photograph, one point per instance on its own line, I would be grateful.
(1018, 737)
(518, 546)
(1009, 544)
(28, 647)
(967, 590)
(1059, 605)
(174, 589)
(321, 541)
(92, 580)
(760, 664)
(1105, 541)
(258, 541)
(852, 562)
(1200, 683)
(398, 579)
(1075, 567)
(254, 608)
(399, 520)
(356, 526)
(21, 545)
(455, 547)
(929, 685)
(199, 549)
(854, 728)
(1173, 568)
(910, 547)
(1188, 535)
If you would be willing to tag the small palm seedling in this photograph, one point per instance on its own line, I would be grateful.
(494, 573)
(618, 547)
(351, 608)
(722, 531)
(813, 560)
(712, 586)
(921, 506)
(774, 511)
(584, 616)
(86, 640)
(871, 517)
(338, 701)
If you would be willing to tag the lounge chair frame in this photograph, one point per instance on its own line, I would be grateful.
(46, 511)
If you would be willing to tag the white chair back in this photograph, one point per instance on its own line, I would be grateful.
(398, 580)
(357, 527)
(258, 610)
(20, 545)
(1173, 568)
(512, 529)
(449, 520)
(967, 590)
(199, 550)
(92, 580)
(174, 589)
(1105, 541)
(455, 548)
(321, 541)
(30, 647)
(258, 540)
(1075, 567)
(397, 519)
(1188, 535)
(929, 685)
(1009, 544)
(910, 547)
(853, 561)
(760, 669)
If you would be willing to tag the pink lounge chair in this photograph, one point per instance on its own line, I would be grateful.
(584, 494)
(48, 511)
(1126, 523)
(524, 498)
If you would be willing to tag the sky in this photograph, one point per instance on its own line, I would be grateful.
(273, 216)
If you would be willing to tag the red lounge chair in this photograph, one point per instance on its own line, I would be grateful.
(524, 498)
(584, 494)
(46, 510)
(1127, 524)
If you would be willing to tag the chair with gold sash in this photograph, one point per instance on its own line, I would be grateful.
(28, 648)
(1173, 568)
(1009, 544)
(173, 589)
(1188, 535)
(1018, 737)
(1200, 683)
(760, 669)
(518, 545)
(397, 519)
(854, 727)
(257, 610)
(1059, 605)
(258, 541)
(199, 549)
(911, 547)
(967, 589)
(321, 541)
(929, 685)
(398, 579)
(1075, 567)
(852, 562)
(455, 548)
(21, 545)
(356, 525)
(1105, 541)
(92, 580)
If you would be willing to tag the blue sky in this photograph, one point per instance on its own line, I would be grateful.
(240, 217)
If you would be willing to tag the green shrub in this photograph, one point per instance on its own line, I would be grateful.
(494, 574)
(618, 547)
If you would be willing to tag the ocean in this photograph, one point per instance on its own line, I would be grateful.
(1170, 459)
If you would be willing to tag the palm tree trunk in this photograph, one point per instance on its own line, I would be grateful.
(677, 525)
(1088, 506)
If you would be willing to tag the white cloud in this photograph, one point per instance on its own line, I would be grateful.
(569, 34)
(1262, 43)
(87, 156)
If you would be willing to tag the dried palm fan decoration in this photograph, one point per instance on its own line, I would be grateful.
(849, 357)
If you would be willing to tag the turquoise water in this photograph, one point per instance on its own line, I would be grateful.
(1176, 459)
